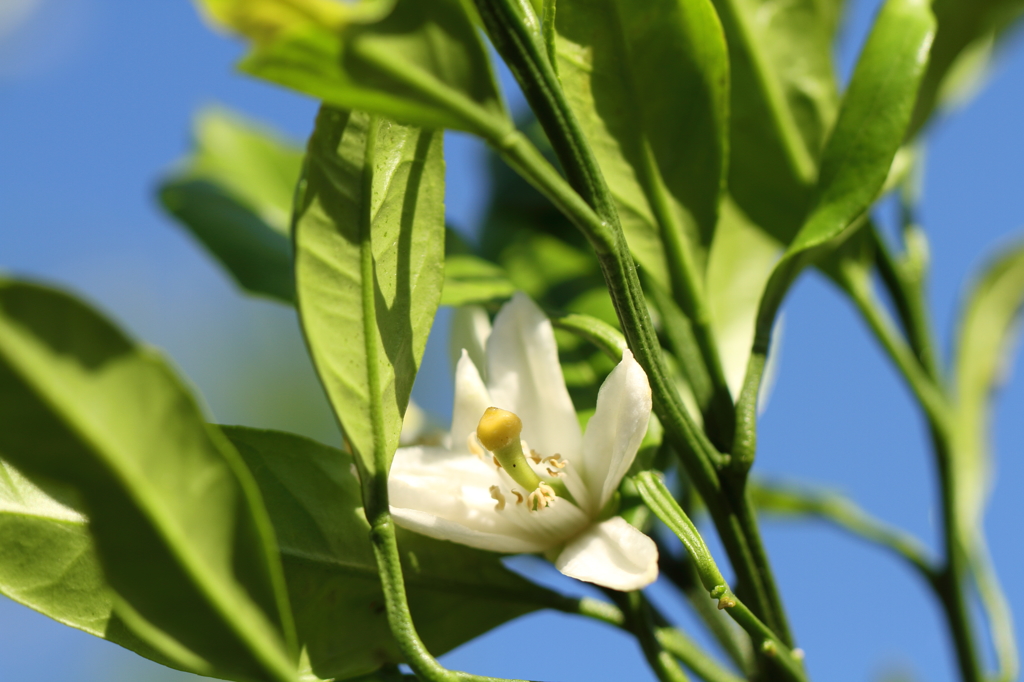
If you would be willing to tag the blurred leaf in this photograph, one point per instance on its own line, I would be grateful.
(783, 103)
(417, 62)
(469, 279)
(967, 33)
(793, 501)
(178, 522)
(456, 593)
(234, 194)
(986, 331)
(369, 238)
(649, 84)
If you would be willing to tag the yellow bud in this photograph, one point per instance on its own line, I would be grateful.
(498, 429)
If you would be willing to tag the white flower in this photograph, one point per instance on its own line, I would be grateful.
(453, 494)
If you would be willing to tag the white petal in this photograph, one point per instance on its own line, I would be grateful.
(470, 330)
(611, 554)
(471, 399)
(447, 496)
(615, 431)
(524, 377)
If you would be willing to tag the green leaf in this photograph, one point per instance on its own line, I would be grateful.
(416, 62)
(470, 279)
(987, 328)
(456, 593)
(783, 102)
(968, 31)
(49, 562)
(234, 194)
(649, 84)
(740, 261)
(871, 126)
(369, 238)
(178, 523)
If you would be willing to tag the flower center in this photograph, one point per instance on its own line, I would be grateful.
(499, 431)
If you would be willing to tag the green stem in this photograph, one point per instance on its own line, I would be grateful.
(909, 301)
(1000, 618)
(656, 496)
(640, 621)
(692, 656)
(594, 214)
(732, 640)
(951, 582)
(670, 639)
(927, 392)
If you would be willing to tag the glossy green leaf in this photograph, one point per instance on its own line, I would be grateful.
(987, 328)
(872, 124)
(179, 526)
(234, 194)
(469, 279)
(455, 593)
(783, 102)
(369, 239)
(968, 32)
(649, 84)
(417, 62)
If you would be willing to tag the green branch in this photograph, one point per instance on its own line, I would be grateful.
(656, 496)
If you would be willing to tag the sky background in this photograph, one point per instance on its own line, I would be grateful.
(97, 97)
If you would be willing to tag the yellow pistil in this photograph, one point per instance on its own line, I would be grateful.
(499, 432)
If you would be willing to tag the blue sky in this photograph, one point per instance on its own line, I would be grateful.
(97, 98)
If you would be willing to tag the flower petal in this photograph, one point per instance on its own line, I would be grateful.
(471, 399)
(470, 330)
(447, 496)
(524, 377)
(611, 554)
(615, 431)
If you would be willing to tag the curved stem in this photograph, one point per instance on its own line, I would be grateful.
(594, 214)
(656, 496)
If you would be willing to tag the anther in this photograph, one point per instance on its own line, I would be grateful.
(554, 474)
(498, 498)
(497, 464)
(519, 496)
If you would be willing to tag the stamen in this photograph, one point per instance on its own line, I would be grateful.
(519, 496)
(557, 461)
(541, 498)
(498, 497)
(497, 464)
(535, 456)
(555, 474)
